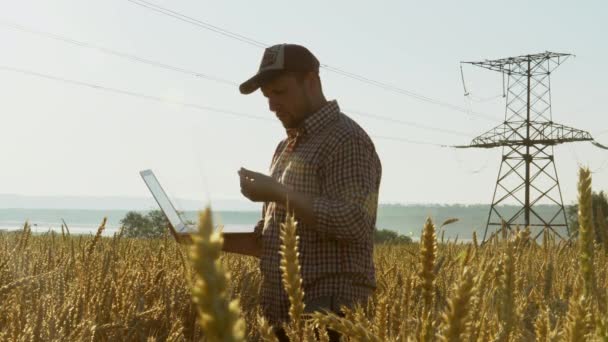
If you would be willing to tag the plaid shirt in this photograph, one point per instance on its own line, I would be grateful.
(331, 159)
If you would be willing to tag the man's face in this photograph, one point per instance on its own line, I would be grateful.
(289, 98)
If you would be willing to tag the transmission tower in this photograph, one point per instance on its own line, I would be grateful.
(527, 172)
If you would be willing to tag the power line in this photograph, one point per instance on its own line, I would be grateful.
(408, 141)
(253, 42)
(117, 53)
(402, 91)
(134, 94)
(406, 123)
(184, 104)
(200, 23)
(147, 61)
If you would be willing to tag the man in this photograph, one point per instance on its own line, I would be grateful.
(328, 171)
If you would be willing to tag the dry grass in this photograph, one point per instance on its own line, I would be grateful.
(57, 287)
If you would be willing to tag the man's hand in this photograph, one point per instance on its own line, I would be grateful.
(261, 188)
(241, 243)
(184, 238)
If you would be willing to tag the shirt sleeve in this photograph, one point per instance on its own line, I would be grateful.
(259, 227)
(350, 179)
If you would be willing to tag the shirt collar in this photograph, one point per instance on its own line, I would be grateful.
(321, 118)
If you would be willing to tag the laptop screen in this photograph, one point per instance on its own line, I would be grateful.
(163, 200)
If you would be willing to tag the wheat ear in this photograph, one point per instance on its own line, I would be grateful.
(456, 318)
(428, 253)
(218, 316)
(344, 326)
(586, 236)
(290, 269)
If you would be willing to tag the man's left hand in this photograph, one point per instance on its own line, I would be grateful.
(259, 187)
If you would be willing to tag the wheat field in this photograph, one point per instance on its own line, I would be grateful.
(58, 287)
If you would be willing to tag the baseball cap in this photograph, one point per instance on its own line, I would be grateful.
(277, 59)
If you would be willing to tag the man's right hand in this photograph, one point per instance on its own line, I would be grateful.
(184, 238)
(240, 243)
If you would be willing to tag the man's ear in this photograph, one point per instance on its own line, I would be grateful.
(312, 80)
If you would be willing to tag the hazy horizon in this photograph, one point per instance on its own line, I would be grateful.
(15, 201)
(405, 219)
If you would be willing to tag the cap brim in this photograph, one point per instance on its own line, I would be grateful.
(257, 81)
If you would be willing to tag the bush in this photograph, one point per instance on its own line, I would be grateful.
(600, 200)
(389, 236)
(153, 224)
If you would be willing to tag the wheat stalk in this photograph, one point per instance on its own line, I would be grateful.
(100, 229)
(456, 318)
(577, 326)
(586, 235)
(265, 330)
(290, 267)
(218, 316)
(602, 228)
(506, 309)
(542, 326)
(428, 253)
(345, 327)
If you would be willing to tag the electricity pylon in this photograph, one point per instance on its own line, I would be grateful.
(527, 172)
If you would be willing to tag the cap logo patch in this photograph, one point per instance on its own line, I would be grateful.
(270, 57)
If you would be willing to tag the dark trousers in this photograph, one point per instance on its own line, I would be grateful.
(329, 303)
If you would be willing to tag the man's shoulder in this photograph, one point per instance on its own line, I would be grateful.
(347, 128)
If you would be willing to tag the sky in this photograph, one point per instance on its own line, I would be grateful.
(64, 139)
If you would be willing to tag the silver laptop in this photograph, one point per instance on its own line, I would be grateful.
(177, 224)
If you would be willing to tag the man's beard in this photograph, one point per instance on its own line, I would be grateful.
(305, 111)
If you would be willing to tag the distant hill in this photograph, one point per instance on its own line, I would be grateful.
(88, 211)
(410, 218)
